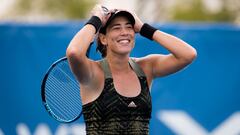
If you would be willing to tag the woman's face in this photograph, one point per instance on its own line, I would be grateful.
(120, 36)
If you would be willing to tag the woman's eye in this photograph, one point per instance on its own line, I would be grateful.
(116, 28)
(130, 26)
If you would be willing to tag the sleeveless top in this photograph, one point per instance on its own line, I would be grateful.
(114, 114)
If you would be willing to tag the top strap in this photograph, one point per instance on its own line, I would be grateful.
(138, 70)
(106, 69)
(107, 72)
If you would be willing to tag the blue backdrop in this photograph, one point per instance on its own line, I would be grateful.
(204, 98)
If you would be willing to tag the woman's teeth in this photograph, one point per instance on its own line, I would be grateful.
(124, 41)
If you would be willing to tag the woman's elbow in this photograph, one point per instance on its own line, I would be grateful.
(190, 56)
(71, 52)
(193, 54)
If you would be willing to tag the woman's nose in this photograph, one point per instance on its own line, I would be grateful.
(124, 31)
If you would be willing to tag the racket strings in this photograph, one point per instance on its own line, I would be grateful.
(61, 100)
(63, 104)
(63, 93)
(60, 104)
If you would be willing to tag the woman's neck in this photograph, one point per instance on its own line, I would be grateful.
(118, 63)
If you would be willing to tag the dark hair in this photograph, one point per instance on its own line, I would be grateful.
(103, 48)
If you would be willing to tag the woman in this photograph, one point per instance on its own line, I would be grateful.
(115, 91)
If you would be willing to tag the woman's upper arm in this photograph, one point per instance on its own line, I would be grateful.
(83, 69)
(163, 65)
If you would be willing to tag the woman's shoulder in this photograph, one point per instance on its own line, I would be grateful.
(143, 60)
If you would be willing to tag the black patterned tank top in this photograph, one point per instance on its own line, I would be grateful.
(114, 114)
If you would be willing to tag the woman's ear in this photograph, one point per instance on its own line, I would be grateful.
(102, 38)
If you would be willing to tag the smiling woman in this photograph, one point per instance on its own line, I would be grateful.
(116, 90)
(120, 26)
(119, 36)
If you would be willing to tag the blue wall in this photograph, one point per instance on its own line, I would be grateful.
(203, 98)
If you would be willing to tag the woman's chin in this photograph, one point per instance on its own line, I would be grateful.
(125, 52)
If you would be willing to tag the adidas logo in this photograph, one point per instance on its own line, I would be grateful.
(132, 104)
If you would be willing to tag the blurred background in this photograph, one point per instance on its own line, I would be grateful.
(151, 10)
(203, 99)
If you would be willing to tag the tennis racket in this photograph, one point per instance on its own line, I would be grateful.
(60, 92)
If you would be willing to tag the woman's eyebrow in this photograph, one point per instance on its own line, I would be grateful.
(118, 24)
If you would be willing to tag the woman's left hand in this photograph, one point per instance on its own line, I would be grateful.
(138, 23)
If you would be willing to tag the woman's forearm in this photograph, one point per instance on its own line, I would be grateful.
(180, 49)
(81, 41)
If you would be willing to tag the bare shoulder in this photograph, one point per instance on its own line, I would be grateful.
(147, 60)
(145, 64)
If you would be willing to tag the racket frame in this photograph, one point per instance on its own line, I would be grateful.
(48, 109)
